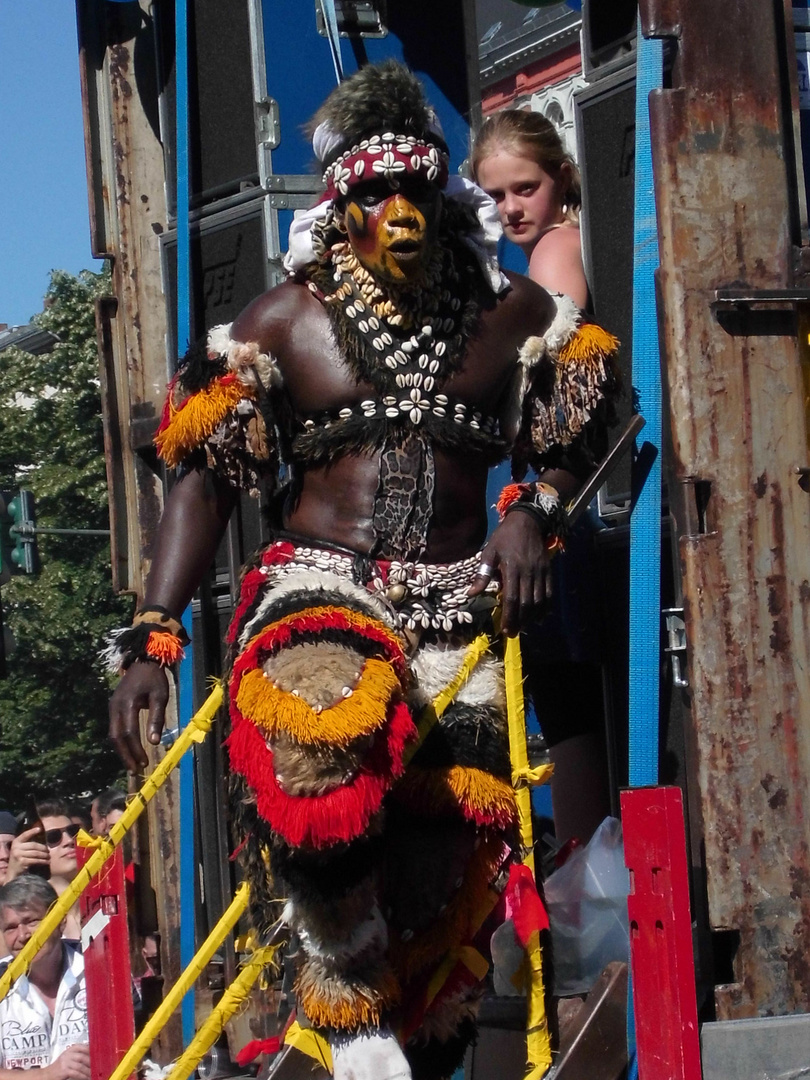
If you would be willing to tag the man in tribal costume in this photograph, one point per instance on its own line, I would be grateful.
(387, 376)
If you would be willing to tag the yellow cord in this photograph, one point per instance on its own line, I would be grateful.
(158, 1020)
(538, 1042)
(432, 713)
(230, 1001)
(195, 731)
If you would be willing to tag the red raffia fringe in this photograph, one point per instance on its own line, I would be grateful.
(510, 494)
(167, 649)
(336, 816)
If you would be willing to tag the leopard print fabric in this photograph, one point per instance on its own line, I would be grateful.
(404, 500)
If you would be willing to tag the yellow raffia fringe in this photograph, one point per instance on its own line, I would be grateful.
(538, 1043)
(589, 344)
(311, 1043)
(233, 999)
(195, 731)
(361, 714)
(363, 1008)
(440, 789)
(190, 425)
(432, 713)
(195, 968)
(316, 615)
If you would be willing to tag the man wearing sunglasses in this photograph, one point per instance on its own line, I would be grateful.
(57, 853)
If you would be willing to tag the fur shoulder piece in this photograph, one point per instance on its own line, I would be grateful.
(216, 403)
(563, 377)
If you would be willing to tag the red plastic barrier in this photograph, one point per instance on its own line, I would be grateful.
(108, 973)
(661, 956)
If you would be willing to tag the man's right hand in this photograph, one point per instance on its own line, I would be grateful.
(27, 852)
(144, 686)
(72, 1064)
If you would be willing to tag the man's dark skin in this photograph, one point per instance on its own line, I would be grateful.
(392, 230)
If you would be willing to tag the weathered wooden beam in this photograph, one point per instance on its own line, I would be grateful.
(726, 209)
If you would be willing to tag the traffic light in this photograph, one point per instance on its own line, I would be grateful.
(18, 537)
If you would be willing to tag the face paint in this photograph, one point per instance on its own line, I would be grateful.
(392, 232)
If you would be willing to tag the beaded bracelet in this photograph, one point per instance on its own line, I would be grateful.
(543, 502)
(155, 637)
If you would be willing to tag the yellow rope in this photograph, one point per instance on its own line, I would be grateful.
(195, 731)
(538, 1043)
(230, 1001)
(432, 713)
(158, 1020)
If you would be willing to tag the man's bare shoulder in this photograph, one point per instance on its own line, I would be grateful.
(271, 318)
(528, 305)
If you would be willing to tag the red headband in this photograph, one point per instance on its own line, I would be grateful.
(385, 157)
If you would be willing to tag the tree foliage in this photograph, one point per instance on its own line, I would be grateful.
(53, 704)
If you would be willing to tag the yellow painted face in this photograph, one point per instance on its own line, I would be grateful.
(392, 232)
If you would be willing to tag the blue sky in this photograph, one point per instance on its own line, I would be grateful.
(44, 223)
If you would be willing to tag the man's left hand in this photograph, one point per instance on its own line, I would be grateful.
(517, 554)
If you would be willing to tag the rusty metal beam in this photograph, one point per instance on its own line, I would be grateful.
(126, 188)
(727, 216)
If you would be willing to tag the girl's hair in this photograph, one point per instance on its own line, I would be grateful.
(530, 135)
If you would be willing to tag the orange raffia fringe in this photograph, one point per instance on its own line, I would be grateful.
(589, 345)
(510, 494)
(350, 1006)
(360, 714)
(165, 648)
(459, 922)
(190, 425)
(481, 797)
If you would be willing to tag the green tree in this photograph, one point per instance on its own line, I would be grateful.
(53, 704)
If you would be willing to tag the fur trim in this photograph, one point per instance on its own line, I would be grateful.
(361, 714)
(318, 585)
(245, 359)
(377, 98)
(436, 666)
(328, 885)
(368, 934)
(314, 770)
(471, 735)
(322, 673)
(346, 1000)
(190, 424)
(338, 816)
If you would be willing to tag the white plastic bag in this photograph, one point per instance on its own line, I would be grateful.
(587, 908)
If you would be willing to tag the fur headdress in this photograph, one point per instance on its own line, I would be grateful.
(377, 98)
(386, 102)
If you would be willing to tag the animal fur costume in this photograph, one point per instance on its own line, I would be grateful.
(389, 868)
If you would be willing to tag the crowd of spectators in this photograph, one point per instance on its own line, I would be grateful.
(37, 863)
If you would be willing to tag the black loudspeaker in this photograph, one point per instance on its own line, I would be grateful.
(222, 133)
(608, 34)
(228, 268)
(606, 151)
